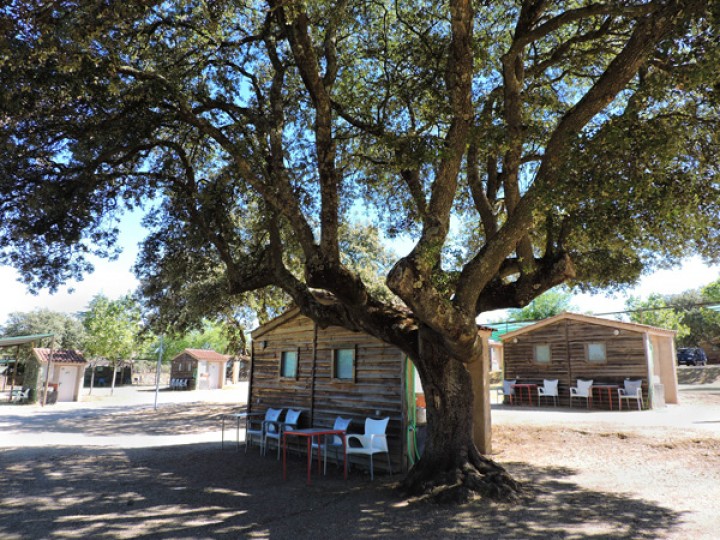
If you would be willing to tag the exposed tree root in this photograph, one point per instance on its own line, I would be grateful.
(461, 483)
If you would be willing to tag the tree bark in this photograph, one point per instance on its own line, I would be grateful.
(451, 468)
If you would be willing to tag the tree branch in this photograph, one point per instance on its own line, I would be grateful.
(482, 203)
(548, 273)
(411, 277)
(298, 34)
(426, 254)
(412, 180)
(513, 80)
(480, 270)
(529, 35)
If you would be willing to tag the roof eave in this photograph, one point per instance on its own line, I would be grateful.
(632, 327)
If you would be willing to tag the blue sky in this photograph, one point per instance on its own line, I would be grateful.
(115, 278)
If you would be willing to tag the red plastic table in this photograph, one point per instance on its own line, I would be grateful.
(309, 433)
(610, 388)
(529, 388)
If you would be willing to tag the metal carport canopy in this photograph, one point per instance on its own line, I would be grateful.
(17, 341)
(22, 340)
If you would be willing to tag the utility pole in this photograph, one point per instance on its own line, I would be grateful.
(157, 371)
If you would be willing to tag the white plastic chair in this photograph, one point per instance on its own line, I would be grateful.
(274, 429)
(334, 441)
(632, 390)
(508, 388)
(20, 396)
(374, 441)
(582, 390)
(549, 389)
(271, 415)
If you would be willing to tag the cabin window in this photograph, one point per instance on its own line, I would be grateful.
(344, 364)
(595, 353)
(289, 364)
(542, 353)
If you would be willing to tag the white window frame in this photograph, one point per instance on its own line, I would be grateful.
(537, 347)
(589, 346)
(336, 350)
(281, 363)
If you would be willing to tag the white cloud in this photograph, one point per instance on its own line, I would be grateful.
(692, 274)
(113, 279)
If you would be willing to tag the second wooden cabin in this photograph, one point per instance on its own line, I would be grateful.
(203, 369)
(570, 346)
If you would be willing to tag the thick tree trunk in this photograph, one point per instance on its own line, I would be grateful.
(451, 468)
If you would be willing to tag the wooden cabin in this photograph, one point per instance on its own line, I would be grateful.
(330, 372)
(202, 369)
(569, 346)
(100, 373)
(65, 377)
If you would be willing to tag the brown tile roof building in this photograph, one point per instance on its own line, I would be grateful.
(60, 356)
(206, 354)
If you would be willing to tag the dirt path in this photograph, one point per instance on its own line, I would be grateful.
(162, 474)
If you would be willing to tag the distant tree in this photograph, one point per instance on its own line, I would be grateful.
(711, 292)
(703, 324)
(686, 312)
(546, 305)
(183, 292)
(655, 311)
(362, 250)
(212, 335)
(68, 330)
(113, 330)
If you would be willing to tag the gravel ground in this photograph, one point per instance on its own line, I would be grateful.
(113, 467)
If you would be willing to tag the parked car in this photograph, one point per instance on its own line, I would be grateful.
(691, 356)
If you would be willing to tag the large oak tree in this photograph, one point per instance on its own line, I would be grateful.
(573, 140)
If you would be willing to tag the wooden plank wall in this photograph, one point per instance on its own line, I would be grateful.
(268, 389)
(185, 361)
(376, 392)
(567, 339)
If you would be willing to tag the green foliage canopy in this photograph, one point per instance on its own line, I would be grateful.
(68, 330)
(687, 312)
(655, 311)
(210, 336)
(212, 110)
(113, 328)
(546, 305)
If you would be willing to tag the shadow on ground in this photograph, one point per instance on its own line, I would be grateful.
(200, 491)
(698, 375)
(175, 419)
